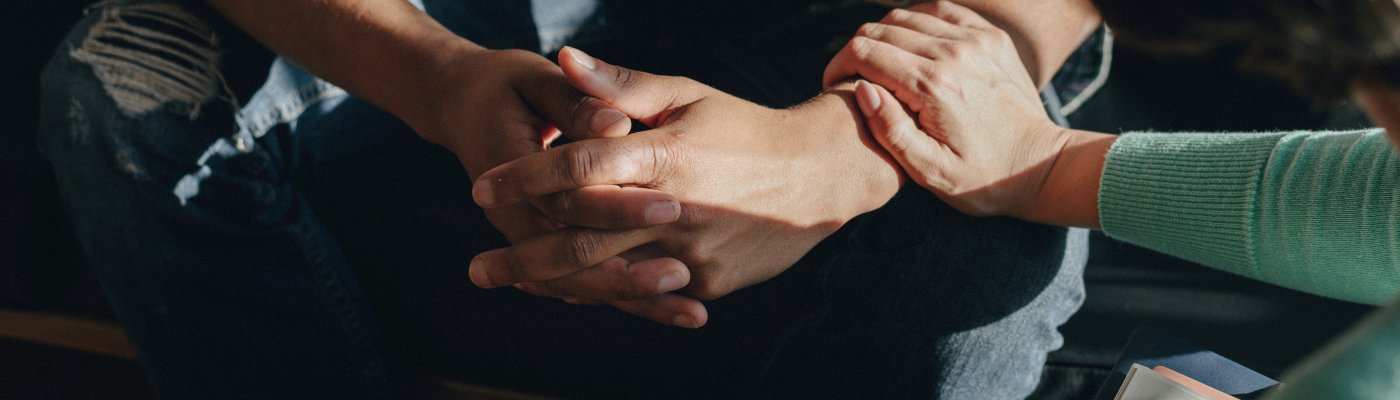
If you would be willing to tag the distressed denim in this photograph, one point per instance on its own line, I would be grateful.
(238, 292)
(230, 287)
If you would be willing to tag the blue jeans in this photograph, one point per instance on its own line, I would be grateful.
(194, 212)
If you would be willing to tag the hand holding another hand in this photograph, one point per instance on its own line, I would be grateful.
(975, 132)
(501, 105)
(758, 187)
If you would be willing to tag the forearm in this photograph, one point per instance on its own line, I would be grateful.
(379, 50)
(1045, 32)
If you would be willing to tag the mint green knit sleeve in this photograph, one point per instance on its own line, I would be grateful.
(1317, 212)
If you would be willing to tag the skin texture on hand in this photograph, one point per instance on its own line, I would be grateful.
(497, 106)
(961, 77)
(1045, 32)
(977, 137)
(758, 187)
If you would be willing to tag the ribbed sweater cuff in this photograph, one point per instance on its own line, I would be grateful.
(1191, 195)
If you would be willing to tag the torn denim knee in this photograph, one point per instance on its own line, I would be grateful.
(153, 55)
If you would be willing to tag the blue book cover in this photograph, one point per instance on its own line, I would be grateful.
(1152, 347)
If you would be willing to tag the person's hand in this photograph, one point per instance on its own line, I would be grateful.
(981, 141)
(759, 187)
(502, 105)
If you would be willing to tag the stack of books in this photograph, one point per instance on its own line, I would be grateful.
(1158, 366)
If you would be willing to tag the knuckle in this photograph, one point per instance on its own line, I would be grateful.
(580, 164)
(997, 34)
(871, 30)
(952, 50)
(622, 76)
(979, 39)
(579, 249)
(897, 15)
(578, 105)
(861, 49)
(662, 161)
(944, 84)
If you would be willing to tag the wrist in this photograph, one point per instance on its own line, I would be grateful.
(1069, 193)
(441, 80)
(844, 153)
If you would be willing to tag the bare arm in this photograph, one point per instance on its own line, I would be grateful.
(380, 50)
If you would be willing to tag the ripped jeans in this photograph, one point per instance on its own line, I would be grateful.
(229, 285)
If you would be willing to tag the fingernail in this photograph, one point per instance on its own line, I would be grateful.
(867, 98)
(483, 194)
(604, 120)
(685, 321)
(477, 272)
(584, 59)
(662, 212)
(671, 282)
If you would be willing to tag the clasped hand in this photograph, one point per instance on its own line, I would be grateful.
(757, 189)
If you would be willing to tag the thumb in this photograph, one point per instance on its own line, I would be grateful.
(645, 97)
(919, 154)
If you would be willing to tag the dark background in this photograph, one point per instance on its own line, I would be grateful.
(42, 268)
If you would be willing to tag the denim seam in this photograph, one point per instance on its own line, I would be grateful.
(350, 316)
(256, 124)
